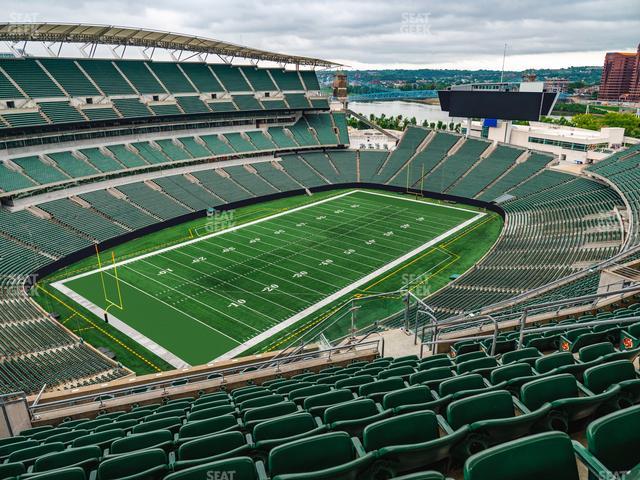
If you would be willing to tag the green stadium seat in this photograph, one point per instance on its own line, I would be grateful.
(211, 412)
(162, 439)
(416, 397)
(86, 458)
(172, 424)
(480, 365)
(329, 456)
(376, 390)
(567, 406)
(143, 465)
(491, 418)
(410, 442)
(243, 468)
(74, 473)
(300, 394)
(404, 372)
(622, 373)
(431, 377)
(254, 416)
(101, 439)
(514, 375)
(15, 469)
(529, 355)
(434, 362)
(278, 431)
(546, 455)
(27, 456)
(211, 448)
(224, 423)
(465, 385)
(353, 416)
(614, 441)
(317, 404)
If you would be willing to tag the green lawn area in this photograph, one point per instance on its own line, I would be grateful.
(226, 290)
(221, 291)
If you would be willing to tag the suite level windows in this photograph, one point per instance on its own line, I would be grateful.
(156, 98)
(214, 96)
(11, 104)
(89, 100)
(267, 94)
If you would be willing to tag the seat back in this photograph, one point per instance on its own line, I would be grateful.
(437, 373)
(284, 427)
(73, 473)
(206, 427)
(311, 454)
(243, 468)
(538, 392)
(269, 411)
(210, 445)
(329, 398)
(462, 382)
(600, 377)
(67, 458)
(210, 412)
(356, 381)
(508, 372)
(471, 365)
(140, 441)
(546, 455)
(308, 391)
(407, 396)
(591, 352)
(131, 464)
(387, 385)
(396, 372)
(485, 406)
(415, 427)
(554, 360)
(27, 454)
(350, 410)
(465, 357)
(615, 439)
(522, 354)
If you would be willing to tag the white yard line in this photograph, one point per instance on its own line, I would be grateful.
(331, 298)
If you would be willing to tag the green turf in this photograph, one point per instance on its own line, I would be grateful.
(202, 299)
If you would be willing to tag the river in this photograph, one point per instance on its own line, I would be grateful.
(421, 111)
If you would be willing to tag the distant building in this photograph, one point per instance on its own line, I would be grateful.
(621, 77)
(555, 84)
(569, 144)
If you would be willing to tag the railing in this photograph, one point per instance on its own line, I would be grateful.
(524, 331)
(473, 320)
(166, 385)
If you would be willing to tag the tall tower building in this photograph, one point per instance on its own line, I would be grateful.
(620, 77)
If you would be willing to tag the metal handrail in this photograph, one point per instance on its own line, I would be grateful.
(470, 318)
(564, 327)
(120, 392)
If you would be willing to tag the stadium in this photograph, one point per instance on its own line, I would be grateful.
(203, 276)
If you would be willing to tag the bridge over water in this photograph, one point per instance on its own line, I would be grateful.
(394, 95)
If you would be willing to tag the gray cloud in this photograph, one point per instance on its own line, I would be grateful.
(378, 32)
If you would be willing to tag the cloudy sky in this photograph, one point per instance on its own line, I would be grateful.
(379, 33)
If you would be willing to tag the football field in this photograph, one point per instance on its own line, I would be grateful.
(229, 289)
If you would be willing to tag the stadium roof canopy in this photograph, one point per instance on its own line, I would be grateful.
(140, 37)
